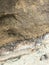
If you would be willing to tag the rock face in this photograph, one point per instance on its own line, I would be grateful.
(26, 52)
(7, 7)
(23, 19)
(21, 23)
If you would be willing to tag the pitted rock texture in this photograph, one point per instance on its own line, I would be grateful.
(23, 19)
(7, 7)
(27, 52)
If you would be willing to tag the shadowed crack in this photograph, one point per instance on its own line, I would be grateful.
(44, 57)
(13, 44)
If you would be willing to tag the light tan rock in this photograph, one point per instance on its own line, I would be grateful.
(23, 19)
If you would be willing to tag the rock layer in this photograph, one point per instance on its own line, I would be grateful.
(33, 52)
(23, 19)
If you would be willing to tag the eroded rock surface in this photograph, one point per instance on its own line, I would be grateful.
(23, 19)
(22, 25)
(26, 52)
(7, 7)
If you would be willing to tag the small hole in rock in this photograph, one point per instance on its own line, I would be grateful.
(44, 57)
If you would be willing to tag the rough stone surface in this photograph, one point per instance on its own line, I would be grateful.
(22, 25)
(24, 19)
(7, 7)
(27, 52)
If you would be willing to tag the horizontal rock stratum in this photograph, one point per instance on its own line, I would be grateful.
(26, 52)
(22, 22)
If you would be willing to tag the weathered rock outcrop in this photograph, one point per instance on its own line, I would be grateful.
(7, 7)
(21, 21)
